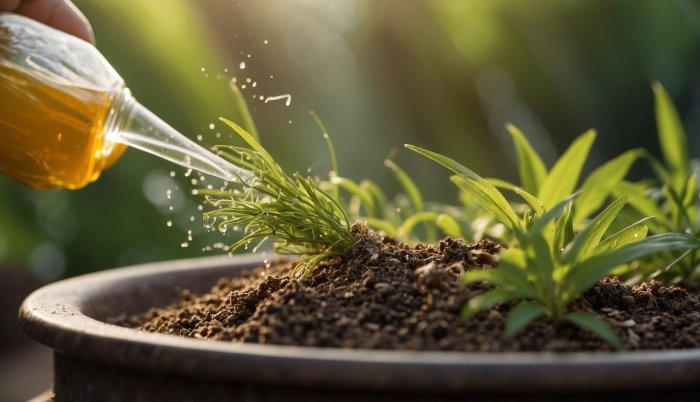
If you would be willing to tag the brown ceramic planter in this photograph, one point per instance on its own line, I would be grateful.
(98, 361)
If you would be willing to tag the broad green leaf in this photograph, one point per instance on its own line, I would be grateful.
(521, 315)
(490, 199)
(672, 137)
(486, 194)
(541, 263)
(632, 233)
(588, 239)
(409, 187)
(530, 166)
(487, 300)
(534, 203)
(645, 205)
(596, 187)
(587, 273)
(542, 222)
(449, 225)
(563, 232)
(353, 188)
(563, 178)
(597, 326)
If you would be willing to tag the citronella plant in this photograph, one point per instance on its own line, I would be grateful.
(553, 186)
(675, 204)
(266, 202)
(553, 265)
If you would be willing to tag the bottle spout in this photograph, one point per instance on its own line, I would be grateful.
(139, 128)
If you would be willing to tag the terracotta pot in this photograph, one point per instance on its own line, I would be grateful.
(98, 361)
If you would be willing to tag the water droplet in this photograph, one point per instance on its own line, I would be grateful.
(169, 224)
(261, 97)
(211, 126)
(255, 84)
(195, 192)
(226, 70)
(288, 98)
(248, 80)
(199, 207)
(192, 218)
(199, 137)
(203, 69)
(248, 55)
(244, 86)
(194, 182)
(265, 41)
(189, 235)
(242, 65)
(168, 193)
(170, 208)
(184, 244)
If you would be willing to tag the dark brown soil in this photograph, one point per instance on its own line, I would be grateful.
(385, 295)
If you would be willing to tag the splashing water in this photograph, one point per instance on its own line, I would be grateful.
(288, 97)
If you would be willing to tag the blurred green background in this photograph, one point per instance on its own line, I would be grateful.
(445, 74)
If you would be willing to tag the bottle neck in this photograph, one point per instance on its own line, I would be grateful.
(131, 124)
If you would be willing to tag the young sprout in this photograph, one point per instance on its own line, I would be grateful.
(553, 265)
(292, 210)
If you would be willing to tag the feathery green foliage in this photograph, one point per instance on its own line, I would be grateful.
(266, 202)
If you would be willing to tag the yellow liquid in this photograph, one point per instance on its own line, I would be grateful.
(51, 134)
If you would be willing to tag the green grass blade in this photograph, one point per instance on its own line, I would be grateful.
(331, 151)
(563, 178)
(522, 315)
(531, 200)
(530, 166)
(409, 223)
(672, 137)
(588, 239)
(375, 192)
(596, 187)
(353, 188)
(449, 225)
(487, 195)
(409, 187)
(587, 273)
(597, 326)
(244, 112)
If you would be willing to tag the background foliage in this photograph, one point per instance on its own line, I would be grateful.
(446, 75)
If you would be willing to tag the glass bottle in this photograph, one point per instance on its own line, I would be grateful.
(66, 114)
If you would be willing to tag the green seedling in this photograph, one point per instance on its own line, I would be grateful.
(267, 203)
(675, 204)
(553, 265)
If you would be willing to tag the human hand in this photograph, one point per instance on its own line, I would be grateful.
(60, 14)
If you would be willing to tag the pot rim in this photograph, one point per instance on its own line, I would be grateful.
(55, 315)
